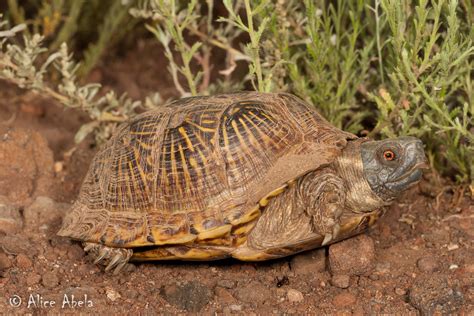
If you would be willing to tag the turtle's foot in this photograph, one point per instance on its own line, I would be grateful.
(331, 235)
(327, 223)
(108, 256)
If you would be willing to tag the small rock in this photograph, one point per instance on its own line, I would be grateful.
(224, 296)
(453, 267)
(294, 296)
(437, 237)
(32, 108)
(374, 277)
(344, 299)
(353, 256)
(112, 294)
(23, 262)
(75, 253)
(253, 293)
(58, 166)
(452, 247)
(10, 217)
(235, 308)
(33, 279)
(5, 262)
(400, 291)
(280, 292)
(131, 293)
(44, 212)
(341, 281)
(228, 284)
(309, 263)
(16, 244)
(29, 171)
(430, 293)
(382, 268)
(192, 296)
(428, 264)
(50, 280)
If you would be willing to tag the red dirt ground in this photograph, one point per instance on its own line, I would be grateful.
(419, 259)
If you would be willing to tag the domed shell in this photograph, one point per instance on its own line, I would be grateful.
(197, 167)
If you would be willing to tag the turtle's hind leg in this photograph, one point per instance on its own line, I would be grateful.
(108, 256)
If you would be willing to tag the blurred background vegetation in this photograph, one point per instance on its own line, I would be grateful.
(378, 68)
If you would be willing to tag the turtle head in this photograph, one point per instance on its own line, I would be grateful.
(391, 166)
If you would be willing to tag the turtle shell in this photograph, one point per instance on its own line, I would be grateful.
(197, 168)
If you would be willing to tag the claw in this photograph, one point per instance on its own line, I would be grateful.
(102, 254)
(120, 267)
(327, 239)
(116, 259)
(335, 230)
(89, 246)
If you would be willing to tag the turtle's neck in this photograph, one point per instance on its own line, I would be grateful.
(359, 198)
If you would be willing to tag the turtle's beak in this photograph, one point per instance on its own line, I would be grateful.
(410, 171)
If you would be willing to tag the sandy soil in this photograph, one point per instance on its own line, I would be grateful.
(419, 259)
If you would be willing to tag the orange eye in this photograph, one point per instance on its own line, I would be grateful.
(389, 155)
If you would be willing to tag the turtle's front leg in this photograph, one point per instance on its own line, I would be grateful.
(323, 195)
(305, 216)
(326, 216)
(108, 256)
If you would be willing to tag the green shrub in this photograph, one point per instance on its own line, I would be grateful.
(94, 24)
(379, 68)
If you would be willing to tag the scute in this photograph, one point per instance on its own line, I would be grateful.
(191, 171)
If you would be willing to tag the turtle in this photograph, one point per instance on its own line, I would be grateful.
(249, 175)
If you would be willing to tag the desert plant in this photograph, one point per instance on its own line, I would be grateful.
(191, 40)
(428, 93)
(383, 68)
(93, 24)
(26, 66)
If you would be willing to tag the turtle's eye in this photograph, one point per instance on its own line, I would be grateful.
(389, 155)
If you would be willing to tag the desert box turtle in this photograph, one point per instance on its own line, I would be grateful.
(253, 176)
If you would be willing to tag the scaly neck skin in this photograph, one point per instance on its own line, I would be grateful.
(359, 196)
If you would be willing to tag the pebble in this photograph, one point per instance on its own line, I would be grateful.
(452, 247)
(344, 299)
(5, 262)
(383, 268)
(29, 170)
(50, 280)
(58, 166)
(192, 296)
(432, 293)
(253, 293)
(112, 294)
(294, 296)
(33, 279)
(428, 264)
(437, 237)
(341, 281)
(400, 291)
(235, 308)
(23, 262)
(16, 244)
(131, 293)
(353, 256)
(44, 212)
(310, 262)
(10, 217)
(224, 296)
(75, 253)
(228, 284)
